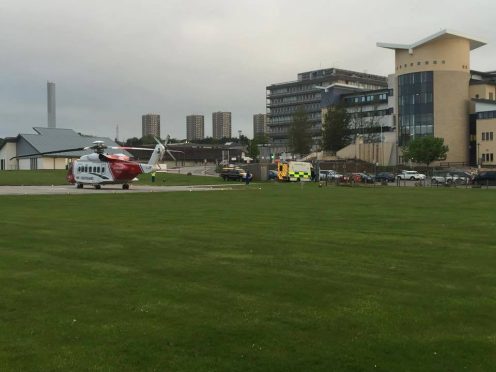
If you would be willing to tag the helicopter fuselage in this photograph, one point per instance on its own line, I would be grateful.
(99, 169)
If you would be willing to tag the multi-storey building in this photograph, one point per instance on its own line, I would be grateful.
(221, 125)
(284, 99)
(482, 127)
(259, 125)
(436, 92)
(195, 127)
(150, 125)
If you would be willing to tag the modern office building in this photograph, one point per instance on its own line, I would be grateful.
(221, 125)
(259, 125)
(283, 99)
(51, 105)
(436, 91)
(195, 127)
(150, 125)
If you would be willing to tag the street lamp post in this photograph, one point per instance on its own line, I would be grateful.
(478, 155)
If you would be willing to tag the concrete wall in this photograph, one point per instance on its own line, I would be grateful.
(451, 109)
(483, 91)
(52, 163)
(454, 51)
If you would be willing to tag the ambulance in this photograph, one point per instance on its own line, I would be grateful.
(294, 171)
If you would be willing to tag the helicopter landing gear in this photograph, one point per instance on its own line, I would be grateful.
(79, 186)
(98, 187)
(125, 186)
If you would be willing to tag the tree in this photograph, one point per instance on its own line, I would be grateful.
(425, 150)
(134, 142)
(261, 138)
(336, 132)
(300, 135)
(253, 150)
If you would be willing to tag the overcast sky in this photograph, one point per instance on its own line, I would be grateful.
(114, 60)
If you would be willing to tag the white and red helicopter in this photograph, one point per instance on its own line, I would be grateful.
(101, 168)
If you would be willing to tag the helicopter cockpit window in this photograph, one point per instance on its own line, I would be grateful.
(103, 169)
(86, 168)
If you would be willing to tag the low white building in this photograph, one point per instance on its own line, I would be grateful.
(47, 140)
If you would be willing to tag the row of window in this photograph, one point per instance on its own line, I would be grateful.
(90, 169)
(486, 115)
(425, 63)
(292, 99)
(366, 98)
(487, 136)
(415, 78)
(311, 87)
(291, 109)
(487, 157)
(288, 118)
(367, 114)
(415, 99)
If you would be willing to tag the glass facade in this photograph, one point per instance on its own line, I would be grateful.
(415, 106)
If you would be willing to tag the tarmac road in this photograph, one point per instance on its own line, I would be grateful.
(110, 189)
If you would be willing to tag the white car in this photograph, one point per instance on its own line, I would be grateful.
(410, 175)
(459, 178)
(329, 175)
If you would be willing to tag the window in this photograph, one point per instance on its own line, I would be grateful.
(483, 136)
(434, 62)
(443, 62)
(490, 136)
(491, 95)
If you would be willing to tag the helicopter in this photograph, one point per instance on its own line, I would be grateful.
(101, 168)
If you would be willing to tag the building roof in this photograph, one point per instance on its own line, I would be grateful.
(443, 34)
(52, 139)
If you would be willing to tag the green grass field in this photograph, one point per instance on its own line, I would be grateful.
(282, 278)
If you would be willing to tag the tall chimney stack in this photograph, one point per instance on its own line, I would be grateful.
(52, 123)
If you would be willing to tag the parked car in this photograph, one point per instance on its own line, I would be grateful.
(384, 177)
(410, 175)
(234, 174)
(329, 175)
(454, 177)
(485, 178)
(272, 175)
(362, 178)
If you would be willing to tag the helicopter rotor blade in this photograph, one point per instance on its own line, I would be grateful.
(51, 152)
(130, 148)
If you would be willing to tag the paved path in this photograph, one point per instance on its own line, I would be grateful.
(110, 189)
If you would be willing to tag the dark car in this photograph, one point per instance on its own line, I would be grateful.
(272, 175)
(385, 177)
(485, 178)
(234, 174)
(362, 177)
